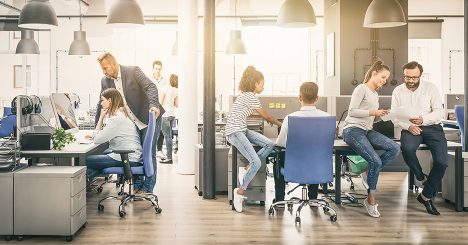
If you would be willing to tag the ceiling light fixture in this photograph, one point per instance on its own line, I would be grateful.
(39, 15)
(125, 13)
(79, 46)
(384, 13)
(27, 44)
(296, 13)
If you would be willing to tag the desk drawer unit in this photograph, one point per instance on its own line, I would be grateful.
(50, 200)
(448, 182)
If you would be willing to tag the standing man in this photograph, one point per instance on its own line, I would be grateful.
(424, 129)
(161, 84)
(140, 96)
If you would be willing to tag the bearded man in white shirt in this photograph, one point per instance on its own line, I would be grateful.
(424, 129)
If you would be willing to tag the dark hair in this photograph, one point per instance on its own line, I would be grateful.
(157, 62)
(174, 80)
(249, 78)
(116, 101)
(412, 65)
(378, 66)
(309, 92)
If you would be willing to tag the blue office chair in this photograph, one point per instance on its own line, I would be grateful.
(460, 115)
(129, 172)
(309, 159)
(7, 123)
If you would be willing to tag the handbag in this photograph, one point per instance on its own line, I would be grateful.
(357, 164)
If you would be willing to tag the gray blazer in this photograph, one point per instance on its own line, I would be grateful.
(140, 92)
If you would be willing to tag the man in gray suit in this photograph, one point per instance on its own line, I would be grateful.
(140, 96)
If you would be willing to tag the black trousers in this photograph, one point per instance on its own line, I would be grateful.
(433, 136)
(280, 183)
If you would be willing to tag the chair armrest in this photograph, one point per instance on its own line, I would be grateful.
(123, 151)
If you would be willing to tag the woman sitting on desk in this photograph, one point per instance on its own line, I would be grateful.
(358, 132)
(119, 131)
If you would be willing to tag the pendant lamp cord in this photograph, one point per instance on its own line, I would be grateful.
(79, 7)
(235, 14)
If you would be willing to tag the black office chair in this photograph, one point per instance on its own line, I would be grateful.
(129, 172)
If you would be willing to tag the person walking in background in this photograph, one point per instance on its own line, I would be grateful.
(237, 134)
(358, 132)
(161, 83)
(169, 101)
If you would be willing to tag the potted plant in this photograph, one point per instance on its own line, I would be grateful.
(60, 138)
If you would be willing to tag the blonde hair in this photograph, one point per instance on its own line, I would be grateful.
(116, 101)
(309, 91)
(107, 56)
(250, 77)
(378, 66)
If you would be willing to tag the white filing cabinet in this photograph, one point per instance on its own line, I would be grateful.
(221, 167)
(6, 204)
(50, 201)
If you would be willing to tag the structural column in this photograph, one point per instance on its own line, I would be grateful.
(187, 61)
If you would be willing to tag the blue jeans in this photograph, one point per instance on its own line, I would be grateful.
(433, 136)
(243, 142)
(146, 184)
(364, 143)
(167, 132)
(96, 163)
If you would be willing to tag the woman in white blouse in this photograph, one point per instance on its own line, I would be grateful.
(119, 131)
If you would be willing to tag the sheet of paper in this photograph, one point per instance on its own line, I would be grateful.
(402, 114)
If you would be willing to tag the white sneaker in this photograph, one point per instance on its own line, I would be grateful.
(364, 180)
(371, 209)
(238, 200)
(160, 154)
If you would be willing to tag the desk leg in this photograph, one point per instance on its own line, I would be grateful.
(234, 173)
(410, 180)
(338, 178)
(459, 180)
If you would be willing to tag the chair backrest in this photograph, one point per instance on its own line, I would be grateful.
(460, 115)
(7, 124)
(309, 150)
(148, 146)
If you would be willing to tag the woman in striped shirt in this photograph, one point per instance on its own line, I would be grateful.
(237, 134)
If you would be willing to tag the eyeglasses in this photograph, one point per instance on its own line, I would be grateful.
(408, 78)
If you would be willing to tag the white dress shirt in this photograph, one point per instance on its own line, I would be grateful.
(119, 86)
(425, 99)
(305, 111)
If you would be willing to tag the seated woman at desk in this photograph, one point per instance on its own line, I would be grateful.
(358, 132)
(237, 134)
(119, 131)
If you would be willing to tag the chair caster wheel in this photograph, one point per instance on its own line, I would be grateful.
(271, 211)
(298, 220)
(122, 214)
(326, 209)
(200, 193)
(351, 187)
(100, 207)
(19, 238)
(416, 189)
(99, 190)
(8, 238)
(330, 184)
(262, 203)
(290, 207)
(68, 238)
(158, 210)
(333, 218)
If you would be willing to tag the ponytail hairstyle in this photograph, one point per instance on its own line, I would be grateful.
(378, 66)
(116, 101)
(250, 77)
(174, 80)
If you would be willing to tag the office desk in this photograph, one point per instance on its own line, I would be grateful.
(74, 150)
(342, 149)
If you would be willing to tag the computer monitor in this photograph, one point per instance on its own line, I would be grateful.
(64, 110)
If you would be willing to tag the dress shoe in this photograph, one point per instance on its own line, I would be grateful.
(430, 208)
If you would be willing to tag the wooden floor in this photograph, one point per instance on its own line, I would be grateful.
(188, 219)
